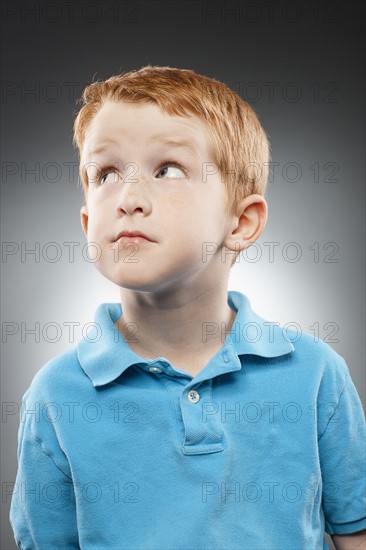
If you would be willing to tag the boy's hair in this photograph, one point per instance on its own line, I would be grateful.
(240, 147)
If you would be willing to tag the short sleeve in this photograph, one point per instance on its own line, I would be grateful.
(342, 451)
(42, 510)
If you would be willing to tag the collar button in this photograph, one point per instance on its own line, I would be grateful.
(154, 369)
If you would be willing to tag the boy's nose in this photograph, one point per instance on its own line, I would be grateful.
(133, 196)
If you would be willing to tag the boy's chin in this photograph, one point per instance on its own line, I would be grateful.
(136, 277)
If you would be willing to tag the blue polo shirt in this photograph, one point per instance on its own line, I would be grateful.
(262, 449)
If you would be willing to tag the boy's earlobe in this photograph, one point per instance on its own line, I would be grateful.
(248, 227)
(84, 219)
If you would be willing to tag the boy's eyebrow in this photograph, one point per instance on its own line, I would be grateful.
(176, 142)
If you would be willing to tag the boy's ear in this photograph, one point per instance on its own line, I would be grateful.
(84, 217)
(248, 225)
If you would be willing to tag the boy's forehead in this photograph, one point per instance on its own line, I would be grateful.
(116, 120)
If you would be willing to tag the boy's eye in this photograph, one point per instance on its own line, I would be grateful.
(102, 177)
(109, 175)
(172, 164)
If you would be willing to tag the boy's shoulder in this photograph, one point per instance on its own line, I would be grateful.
(287, 344)
(316, 358)
(311, 345)
(60, 377)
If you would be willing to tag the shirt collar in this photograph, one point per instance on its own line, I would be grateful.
(104, 355)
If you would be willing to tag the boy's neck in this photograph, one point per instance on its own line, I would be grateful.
(186, 330)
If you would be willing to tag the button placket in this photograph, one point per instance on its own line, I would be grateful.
(202, 434)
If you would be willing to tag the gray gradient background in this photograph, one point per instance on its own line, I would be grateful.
(237, 51)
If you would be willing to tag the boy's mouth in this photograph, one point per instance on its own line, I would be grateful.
(136, 236)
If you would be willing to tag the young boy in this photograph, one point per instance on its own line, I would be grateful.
(183, 420)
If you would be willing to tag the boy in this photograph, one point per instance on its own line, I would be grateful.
(184, 420)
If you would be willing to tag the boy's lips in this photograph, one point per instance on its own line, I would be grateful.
(132, 234)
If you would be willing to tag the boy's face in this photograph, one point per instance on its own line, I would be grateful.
(141, 189)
